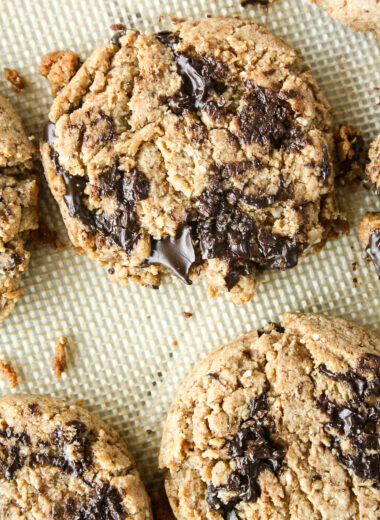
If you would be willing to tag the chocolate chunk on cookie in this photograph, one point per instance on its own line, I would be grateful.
(59, 461)
(360, 15)
(18, 204)
(202, 152)
(280, 423)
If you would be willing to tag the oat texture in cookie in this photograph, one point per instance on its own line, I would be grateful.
(18, 204)
(58, 461)
(204, 151)
(360, 15)
(279, 424)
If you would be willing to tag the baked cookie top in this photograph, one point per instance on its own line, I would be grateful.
(18, 203)
(203, 151)
(59, 461)
(281, 423)
(360, 15)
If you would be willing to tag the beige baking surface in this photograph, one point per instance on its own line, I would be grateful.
(121, 357)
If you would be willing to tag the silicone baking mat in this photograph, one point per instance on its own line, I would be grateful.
(129, 348)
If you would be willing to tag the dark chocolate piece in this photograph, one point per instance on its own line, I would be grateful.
(13, 261)
(324, 166)
(49, 133)
(175, 253)
(373, 249)
(122, 227)
(275, 326)
(254, 449)
(168, 38)
(266, 118)
(357, 419)
(244, 3)
(120, 32)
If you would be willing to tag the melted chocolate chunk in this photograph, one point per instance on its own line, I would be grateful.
(49, 133)
(324, 166)
(122, 227)
(175, 253)
(168, 38)
(11, 459)
(244, 3)
(266, 118)
(13, 261)
(103, 503)
(120, 32)
(357, 419)
(275, 326)
(200, 75)
(259, 201)
(254, 449)
(373, 249)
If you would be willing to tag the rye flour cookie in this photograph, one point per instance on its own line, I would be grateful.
(18, 203)
(360, 15)
(369, 225)
(204, 151)
(279, 424)
(58, 461)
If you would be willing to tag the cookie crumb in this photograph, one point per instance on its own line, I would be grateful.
(263, 3)
(59, 67)
(350, 153)
(175, 342)
(59, 361)
(355, 281)
(187, 314)
(7, 370)
(149, 431)
(354, 266)
(13, 76)
(161, 507)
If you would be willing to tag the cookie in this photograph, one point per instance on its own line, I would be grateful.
(369, 225)
(369, 234)
(360, 15)
(279, 424)
(203, 152)
(18, 204)
(59, 461)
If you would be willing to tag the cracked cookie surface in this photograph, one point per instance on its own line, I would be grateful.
(281, 423)
(59, 461)
(204, 151)
(360, 15)
(18, 204)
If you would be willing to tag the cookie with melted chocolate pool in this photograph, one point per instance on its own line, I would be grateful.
(281, 424)
(59, 461)
(203, 151)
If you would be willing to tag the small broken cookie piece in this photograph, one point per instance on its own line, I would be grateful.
(350, 153)
(280, 424)
(13, 76)
(58, 461)
(372, 170)
(369, 234)
(59, 360)
(7, 370)
(360, 15)
(59, 67)
(18, 204)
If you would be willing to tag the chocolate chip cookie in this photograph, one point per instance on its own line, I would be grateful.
(369, 225)
(58, 461)
(18, 203)
(279, 424)
(360, 15)
(204, 151)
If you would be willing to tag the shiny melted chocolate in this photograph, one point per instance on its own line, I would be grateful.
(122, 227)
(373, 249)
(254, 449)
(357, 419)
